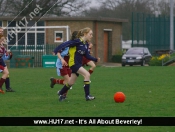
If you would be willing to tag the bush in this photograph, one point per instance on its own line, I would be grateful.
(157, 60)
(117, 58)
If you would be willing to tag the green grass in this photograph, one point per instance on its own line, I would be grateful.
(149, 93)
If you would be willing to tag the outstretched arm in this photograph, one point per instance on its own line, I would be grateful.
(66, 44)
(64, 63)
(7, 55)
(61, 56)
(89, 57)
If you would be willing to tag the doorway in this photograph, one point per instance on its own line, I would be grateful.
(107, 46)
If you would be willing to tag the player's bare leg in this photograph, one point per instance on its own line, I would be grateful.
(5, 73)
(92, 66)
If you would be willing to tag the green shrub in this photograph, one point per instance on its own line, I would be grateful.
(117, 58)
(157, 60)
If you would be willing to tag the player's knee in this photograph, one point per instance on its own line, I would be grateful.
(87, 76)
(93, 66)
(66, 81)
(70, 84)
(6, 72)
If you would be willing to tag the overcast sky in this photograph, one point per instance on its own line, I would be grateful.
(95, 3)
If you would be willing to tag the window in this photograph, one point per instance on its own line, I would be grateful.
(40, 23)
(21, 24)
(11, 36)
(11, 23)
(20, 33)
(58, 36)
(40, 38)
(31, 38)
(31, 24)
(1, 23)
(21, 38)
(11, 40)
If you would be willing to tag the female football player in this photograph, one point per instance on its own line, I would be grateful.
(7, 81)
(62, 66)
(77, 49)
(3, 68)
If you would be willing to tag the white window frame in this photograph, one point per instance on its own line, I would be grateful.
(26, 31)
(33, 29)
(56, 39)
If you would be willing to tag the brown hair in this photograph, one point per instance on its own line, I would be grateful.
(74, 35)
(2, 36)
(83, 31)
(3, 39)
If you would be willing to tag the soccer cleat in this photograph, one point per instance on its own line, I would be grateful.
(65, 94)
(58, 92)
(52, 82)
(9, 90)
(61, 97)
(1, 91)
(89, 97)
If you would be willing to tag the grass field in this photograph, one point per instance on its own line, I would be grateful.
(149, 93)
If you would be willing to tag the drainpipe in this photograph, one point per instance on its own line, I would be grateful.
(171, 25)
(96, 39)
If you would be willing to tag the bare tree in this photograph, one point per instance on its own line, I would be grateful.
(121, 9)
(47, 7)
(164, 8)
(4, 6)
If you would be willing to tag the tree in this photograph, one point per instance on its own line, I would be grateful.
(4, 6)
(121, 9)
(47, 7)
(164, 8)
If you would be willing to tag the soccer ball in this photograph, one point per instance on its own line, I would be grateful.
(119, 97)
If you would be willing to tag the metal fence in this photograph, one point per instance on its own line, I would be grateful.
(151, 31)
(30, 55)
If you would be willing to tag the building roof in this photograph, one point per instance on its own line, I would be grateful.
(104, 19)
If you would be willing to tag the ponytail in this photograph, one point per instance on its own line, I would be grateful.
(83, 31)
(74, 35)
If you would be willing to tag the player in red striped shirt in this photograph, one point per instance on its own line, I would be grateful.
(3, 68)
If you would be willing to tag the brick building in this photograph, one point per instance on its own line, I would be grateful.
(107, 32)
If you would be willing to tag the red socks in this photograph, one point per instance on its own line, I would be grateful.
(90, 71)
(2, 82)
(59, 81)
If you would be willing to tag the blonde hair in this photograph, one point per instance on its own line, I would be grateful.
(83, 31)
(3, 40)
(2, 36)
